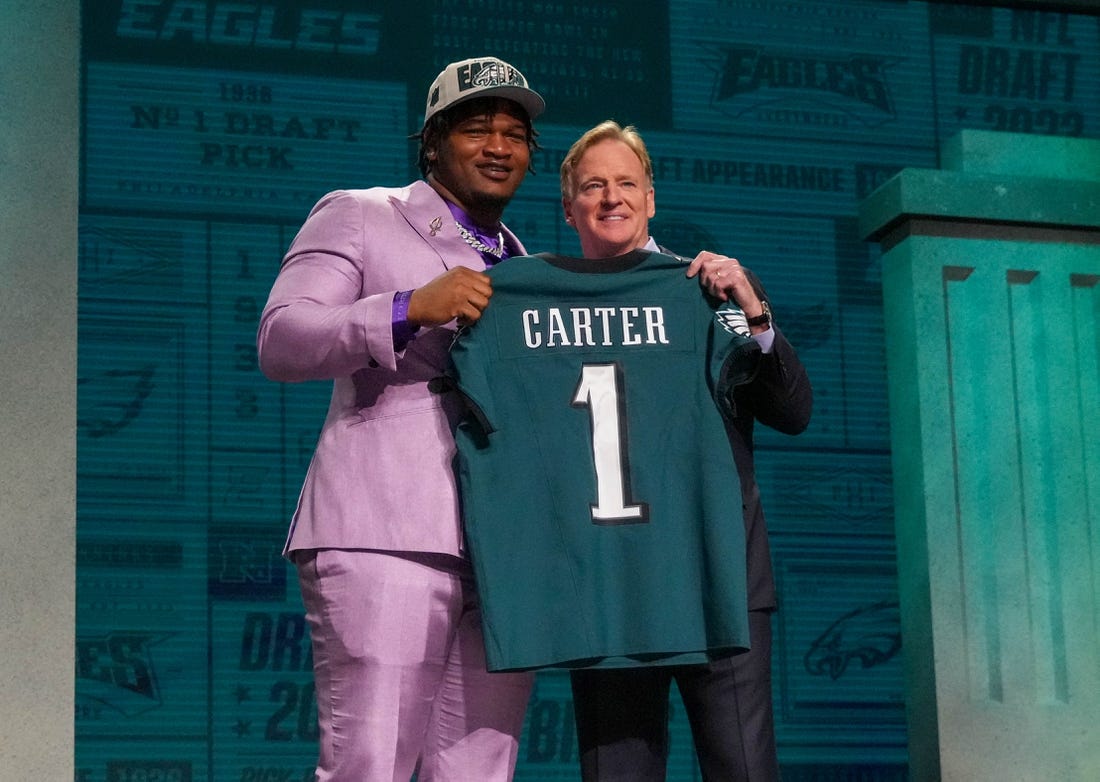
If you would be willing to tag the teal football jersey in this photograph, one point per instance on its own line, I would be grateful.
(601, 502)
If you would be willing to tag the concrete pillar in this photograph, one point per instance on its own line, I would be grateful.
(991, 286)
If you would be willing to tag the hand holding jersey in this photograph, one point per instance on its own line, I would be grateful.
(725, 279)
(459, 293)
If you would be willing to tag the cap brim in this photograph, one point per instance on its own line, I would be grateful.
(531, 101)
(528, 99)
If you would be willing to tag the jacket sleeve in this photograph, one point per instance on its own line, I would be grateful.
(780, 396)
(320, 322)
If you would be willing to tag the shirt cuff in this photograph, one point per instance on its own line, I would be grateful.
(403, 331)
(765, 339)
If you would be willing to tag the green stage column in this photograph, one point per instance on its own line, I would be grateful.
(991, 286)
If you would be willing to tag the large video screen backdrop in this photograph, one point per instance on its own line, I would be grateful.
(209, 130)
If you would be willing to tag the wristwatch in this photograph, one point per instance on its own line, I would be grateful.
(764, 318)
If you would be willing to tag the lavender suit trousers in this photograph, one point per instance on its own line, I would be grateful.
(400, 673)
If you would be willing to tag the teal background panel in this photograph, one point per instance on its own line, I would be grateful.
(210, 128)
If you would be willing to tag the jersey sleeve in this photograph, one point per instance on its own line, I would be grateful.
(734, 356)
(469, 373)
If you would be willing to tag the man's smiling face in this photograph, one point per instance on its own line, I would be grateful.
(483, 159)
(612, 200)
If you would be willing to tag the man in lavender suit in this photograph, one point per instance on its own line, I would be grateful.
(368, 296)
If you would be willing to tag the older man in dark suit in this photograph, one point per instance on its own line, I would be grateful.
(622, 713)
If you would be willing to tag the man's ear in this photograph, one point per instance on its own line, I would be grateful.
(652, 198)
(567, 209)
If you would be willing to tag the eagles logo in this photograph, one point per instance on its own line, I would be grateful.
(733, 320)
(493, 74)
(870, 636)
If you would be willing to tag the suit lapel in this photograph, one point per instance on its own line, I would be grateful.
(428, 215)
(514, 239)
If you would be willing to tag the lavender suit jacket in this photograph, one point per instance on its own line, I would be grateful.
(381, 475)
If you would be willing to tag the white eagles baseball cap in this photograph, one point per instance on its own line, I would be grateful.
(481, 77)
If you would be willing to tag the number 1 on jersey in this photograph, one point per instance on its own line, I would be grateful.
(600, 390)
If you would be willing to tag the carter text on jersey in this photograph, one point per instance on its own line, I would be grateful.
(553, 327)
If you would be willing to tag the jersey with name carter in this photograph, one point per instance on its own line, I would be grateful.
(600, 497)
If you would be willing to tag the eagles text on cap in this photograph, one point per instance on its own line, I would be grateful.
(492, 73)
(480, 77)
